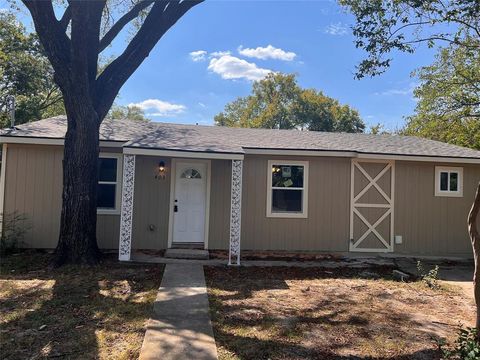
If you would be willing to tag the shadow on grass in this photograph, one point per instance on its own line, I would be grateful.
(344, 322)
(241, 347)
(73, 312)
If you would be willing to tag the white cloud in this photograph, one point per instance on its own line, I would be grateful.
(269, 52)
(231, 67)
(202, 105)
(337, 29)
(401, 92)
(159, 107)
(198, 55)
(219, 53)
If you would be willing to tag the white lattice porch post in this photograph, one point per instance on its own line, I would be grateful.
(235, 213)
(126, 217)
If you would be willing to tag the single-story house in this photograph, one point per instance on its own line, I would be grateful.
(169, 185)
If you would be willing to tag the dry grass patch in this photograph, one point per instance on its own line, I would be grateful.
(314, 313)
(74, 312)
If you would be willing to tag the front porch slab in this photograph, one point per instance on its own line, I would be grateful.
(195, 254)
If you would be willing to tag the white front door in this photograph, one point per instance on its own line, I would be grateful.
(190, 202)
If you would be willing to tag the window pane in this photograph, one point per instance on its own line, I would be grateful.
(444, 181)
(453, 181)
(287, 176)
(190, 174)
(106, 196)
(107, 169)
(287, 200)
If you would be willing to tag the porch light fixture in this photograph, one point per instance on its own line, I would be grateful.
(161, 170)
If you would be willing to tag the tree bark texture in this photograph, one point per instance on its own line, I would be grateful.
(475, 238)
(77, 242)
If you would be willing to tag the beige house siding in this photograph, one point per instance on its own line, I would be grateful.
(429, 225)
(33, 188)
(327, 225)
(220, 197)
(151, 203)
(432, 225)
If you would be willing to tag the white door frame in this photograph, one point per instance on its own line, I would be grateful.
(173, 175)
(390, 206)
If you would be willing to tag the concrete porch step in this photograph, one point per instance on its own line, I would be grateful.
(196, 254)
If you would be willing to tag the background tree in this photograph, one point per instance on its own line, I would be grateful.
(278, 102)
(383, 26)
(73, 44)
(377, 129)
(127, 112)
(26, 74)
(448, 107)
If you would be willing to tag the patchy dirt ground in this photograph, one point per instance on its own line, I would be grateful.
(74, 312)
(314, 313)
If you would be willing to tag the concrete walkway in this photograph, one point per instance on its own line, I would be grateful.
(459, 274)
(180, 327)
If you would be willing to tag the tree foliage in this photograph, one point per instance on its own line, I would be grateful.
(383, 26)
(26, 74)
(127, 112)
(278, 102)
(448, 107)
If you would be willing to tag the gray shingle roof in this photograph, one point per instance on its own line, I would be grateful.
(153, 135)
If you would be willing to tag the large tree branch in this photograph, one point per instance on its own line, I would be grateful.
(122, 22)
(52, 37)
(440, 37)
(405, 26)
(86, 21)
(65, 20)
(161, 18)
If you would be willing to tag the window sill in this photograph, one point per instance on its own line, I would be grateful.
(288, 215)
(448, 194)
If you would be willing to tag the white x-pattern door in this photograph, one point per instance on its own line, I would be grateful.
(372, 205)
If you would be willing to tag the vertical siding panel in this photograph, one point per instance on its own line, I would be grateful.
(219, 228)
(46, 180)
(56, 188)
(11, 179)
(151, 204)
(39, 227)
(33, 221)
(328, 217)
(49, 165)
(431, 225)
(22, 169)
(246, 235)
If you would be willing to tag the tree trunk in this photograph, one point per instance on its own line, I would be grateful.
(77, 242)
(475, 238)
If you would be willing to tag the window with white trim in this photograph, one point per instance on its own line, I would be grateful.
(287, 187)
(109, 179)
(448, 181)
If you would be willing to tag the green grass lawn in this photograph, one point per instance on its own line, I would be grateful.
(74, 312)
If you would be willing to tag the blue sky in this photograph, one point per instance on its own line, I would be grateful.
(232, 38)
